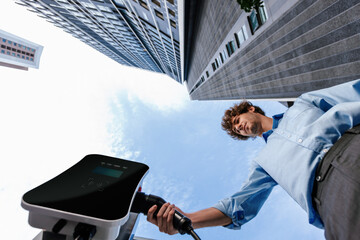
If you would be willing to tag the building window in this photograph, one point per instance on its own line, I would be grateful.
(230, 47)
(207, 74)
(213, 66)
(171, 1)
(156, 2)
(3, 51)
(263, 15)
(221, 58)
(143, 4)
(159, 14)
(253, 22)
(241, 36)
(173, 24)
(224, 54)
(257, 18)
(171, 12)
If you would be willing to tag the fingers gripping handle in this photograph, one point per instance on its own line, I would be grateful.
(143, 202)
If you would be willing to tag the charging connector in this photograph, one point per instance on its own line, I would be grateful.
(143, 202)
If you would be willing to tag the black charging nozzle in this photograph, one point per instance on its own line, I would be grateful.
(143, 202)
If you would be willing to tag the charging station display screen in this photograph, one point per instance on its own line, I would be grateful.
(108, 172)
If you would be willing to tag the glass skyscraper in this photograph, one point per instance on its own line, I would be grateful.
(138, 33)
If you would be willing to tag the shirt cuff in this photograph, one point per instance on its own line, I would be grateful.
(236, 217)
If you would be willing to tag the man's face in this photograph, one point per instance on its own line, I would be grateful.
(247, 124)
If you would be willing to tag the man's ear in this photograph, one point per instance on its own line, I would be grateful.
(251, 109)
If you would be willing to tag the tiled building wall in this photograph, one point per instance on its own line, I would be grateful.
(315, 44)
(215, 19)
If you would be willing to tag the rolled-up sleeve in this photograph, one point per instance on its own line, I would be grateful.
(341, 107)
(325, 99)
(245, 204)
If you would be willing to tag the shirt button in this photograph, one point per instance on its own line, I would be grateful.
(318, 178)
(300, 140)
(325, 150)
(289, 136)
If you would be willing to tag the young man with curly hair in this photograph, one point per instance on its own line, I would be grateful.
(244, 120)
(312, 152)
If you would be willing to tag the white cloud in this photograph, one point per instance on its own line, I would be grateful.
(157, 91)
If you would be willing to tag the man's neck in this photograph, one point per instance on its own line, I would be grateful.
(266, 123)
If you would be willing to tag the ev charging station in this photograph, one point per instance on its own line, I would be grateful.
(93, 198)
(98, 198)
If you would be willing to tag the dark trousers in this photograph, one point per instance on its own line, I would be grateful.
(336, 193)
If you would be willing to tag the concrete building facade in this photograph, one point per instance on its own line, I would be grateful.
(19, 53)
(138, 33)
(284, 49)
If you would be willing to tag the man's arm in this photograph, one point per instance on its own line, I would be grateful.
(341, 107)
(231, 212)
(208, 217)
(329, 97)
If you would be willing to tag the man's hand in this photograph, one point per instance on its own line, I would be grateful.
(204, 218)
(164, 218)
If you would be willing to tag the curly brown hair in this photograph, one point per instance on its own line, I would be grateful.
(237, 109)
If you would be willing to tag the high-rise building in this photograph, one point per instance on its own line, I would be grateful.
(16, 52)
(281, 50)
(138, 33)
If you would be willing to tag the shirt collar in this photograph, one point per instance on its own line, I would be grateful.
(276, 119)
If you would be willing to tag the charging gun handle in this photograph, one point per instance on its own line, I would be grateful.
(143, 202)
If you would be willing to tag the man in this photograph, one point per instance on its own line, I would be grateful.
(326, 184)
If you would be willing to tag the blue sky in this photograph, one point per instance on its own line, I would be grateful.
(81, 102)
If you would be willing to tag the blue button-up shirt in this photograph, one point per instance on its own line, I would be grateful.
(276, 119)
(294, 149)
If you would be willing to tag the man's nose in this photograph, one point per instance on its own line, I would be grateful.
(239, 127)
